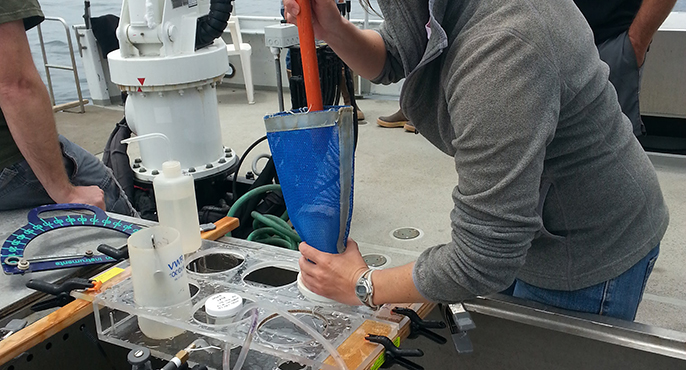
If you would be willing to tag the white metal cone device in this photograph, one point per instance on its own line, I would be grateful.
(171, 86)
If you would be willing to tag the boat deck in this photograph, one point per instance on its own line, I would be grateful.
(401, 180)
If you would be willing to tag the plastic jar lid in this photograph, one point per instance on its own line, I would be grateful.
(223, 305)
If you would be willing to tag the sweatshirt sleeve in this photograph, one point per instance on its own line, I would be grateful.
(503, 97)
(393, 70)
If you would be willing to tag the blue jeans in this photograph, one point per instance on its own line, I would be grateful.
(618, 297)
(19, 187)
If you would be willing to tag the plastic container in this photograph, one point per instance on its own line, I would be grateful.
(159, 278)
(222, 307)
(176, 205)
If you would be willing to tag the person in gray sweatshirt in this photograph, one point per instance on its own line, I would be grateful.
(555, 194)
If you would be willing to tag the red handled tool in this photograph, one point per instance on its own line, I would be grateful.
(308, 54)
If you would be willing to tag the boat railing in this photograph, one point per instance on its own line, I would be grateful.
(72, 68)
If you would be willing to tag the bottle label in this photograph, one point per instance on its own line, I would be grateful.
(225, 301)
(176, 268)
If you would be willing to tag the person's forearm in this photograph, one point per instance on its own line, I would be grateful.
(362, 50)
(648, 19)
(32, 124)
(395, 285)
(26, 106)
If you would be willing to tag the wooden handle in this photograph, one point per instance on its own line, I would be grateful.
(308, 54)
(223, 226)
(34, 334)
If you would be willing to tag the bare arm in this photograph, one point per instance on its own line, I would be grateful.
(26, 106)
(362, 50)
(395, 285)
(648, 19)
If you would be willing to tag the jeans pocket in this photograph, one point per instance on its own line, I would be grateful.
(629, 52)
(71, 162)
(6, 176)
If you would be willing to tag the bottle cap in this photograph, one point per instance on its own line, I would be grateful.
(223, 305)
(171, 168)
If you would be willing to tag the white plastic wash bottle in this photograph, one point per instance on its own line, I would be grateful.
(176, 206)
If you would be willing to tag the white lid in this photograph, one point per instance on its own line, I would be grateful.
(223, 305)
(171, 168)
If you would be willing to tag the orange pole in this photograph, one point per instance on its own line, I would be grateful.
(308, 54)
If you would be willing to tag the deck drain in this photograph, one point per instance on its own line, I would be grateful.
(375, 260)
(406, 233)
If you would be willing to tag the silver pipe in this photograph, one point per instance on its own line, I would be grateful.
(45, 64)
(279, 84)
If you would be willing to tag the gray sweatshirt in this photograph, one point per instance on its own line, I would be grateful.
(554, 188)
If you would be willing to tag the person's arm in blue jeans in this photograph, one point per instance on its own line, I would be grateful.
(26, 106)
(650, 16)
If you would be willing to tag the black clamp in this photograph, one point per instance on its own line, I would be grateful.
(60, 291)
(12, 327)
(460, 322)
(420, 326)
(394, 355)
(117, 254)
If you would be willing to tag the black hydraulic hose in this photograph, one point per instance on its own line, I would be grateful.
(212, 25)
(234, 193)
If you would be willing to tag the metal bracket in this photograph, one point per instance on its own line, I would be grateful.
(459, 321)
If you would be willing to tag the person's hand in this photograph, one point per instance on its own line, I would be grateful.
(92, 195)
(639, 45)
(325, 16)
(332, 275)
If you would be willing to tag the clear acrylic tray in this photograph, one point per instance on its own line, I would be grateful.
(264, 276)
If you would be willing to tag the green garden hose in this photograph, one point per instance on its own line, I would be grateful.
(268, 229)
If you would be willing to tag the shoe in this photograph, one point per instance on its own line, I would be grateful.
(409, 127)
(360, 115)
(396, 119)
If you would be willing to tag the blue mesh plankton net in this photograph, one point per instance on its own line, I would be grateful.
(314, 157)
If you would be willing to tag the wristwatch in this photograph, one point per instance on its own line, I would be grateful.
(364, 289)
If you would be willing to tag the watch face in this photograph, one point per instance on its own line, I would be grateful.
(360, 290)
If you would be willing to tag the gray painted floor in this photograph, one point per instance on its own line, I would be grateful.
(401, 180)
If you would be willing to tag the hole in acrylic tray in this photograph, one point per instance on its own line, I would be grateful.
(271, 277)
(214, 262)
(290, 365)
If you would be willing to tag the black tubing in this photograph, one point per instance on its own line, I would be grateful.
(212, 25)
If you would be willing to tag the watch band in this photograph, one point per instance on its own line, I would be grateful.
(365, 281)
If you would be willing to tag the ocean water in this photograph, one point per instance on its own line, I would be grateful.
(72, 12)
